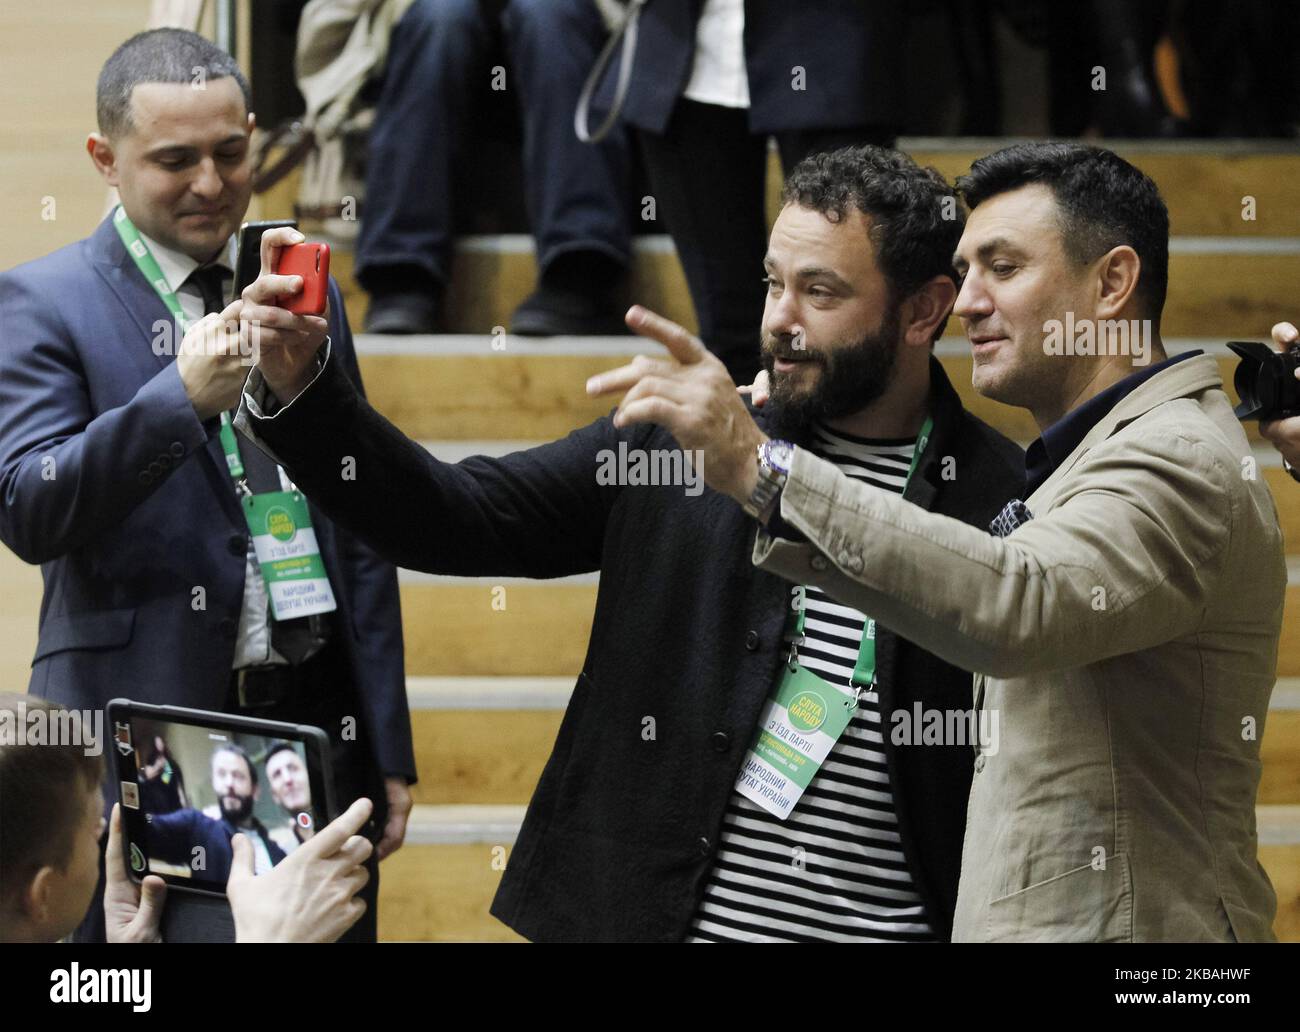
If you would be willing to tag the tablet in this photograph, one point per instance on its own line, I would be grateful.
(189, 780)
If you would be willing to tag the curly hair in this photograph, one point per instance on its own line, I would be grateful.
(915, 218)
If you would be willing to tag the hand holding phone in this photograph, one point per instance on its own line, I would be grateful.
(293, 279)
(311, 261)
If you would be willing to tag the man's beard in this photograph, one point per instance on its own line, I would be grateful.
(239, 815)
(852, 377)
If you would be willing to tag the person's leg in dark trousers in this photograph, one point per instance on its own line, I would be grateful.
(437, 55)
(707, 174)
(577, 193)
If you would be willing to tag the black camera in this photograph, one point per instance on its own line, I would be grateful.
(1265, 381)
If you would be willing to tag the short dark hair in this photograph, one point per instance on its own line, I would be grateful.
(1102, 201)
(159, 55)
(277, 747)
(916, 219)
(241, 752)
(42, 799)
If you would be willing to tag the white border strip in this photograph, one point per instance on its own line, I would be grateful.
(1234, 245)
(1132, 149)
(489, 693)
(552, 693)
(431, 825)
(417, 578)
(479, 345)
(522, 243)
(1278, 825)
(434, 825)
(1266, 456)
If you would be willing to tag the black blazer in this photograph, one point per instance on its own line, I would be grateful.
(621, 831)
(851, 53)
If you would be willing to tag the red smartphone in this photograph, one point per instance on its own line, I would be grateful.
(312, 263)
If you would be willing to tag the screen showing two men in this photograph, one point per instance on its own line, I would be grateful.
(196, 787)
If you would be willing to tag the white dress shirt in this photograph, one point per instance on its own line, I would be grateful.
(718, 73)
(253, 639)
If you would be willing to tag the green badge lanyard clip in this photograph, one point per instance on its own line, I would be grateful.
(148, 266)
(864, 672)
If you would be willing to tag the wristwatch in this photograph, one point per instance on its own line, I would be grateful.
(773, 469)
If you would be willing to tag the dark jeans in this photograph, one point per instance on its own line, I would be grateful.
(437, 63)
(708, 174)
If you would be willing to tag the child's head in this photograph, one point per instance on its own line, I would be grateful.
(51, 820)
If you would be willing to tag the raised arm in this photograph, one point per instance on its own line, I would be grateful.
(1128, 559)
(536, 513)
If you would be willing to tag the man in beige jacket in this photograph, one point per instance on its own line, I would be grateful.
(1125, 616)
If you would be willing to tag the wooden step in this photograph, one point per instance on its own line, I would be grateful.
(1204, 184)
(455, 626)
(1279, 853)
(1223, 290)
(544, 629)
(486, 739)
(458, 387)
(438, 887)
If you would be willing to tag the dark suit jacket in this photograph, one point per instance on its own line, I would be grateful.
(173, 836)
(851, 53)
(621, 831)
(112, 484)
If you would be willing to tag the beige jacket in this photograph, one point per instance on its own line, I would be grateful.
(1127, 638)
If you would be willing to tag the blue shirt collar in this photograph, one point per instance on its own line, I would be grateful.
(1062, 437)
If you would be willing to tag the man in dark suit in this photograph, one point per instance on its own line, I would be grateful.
(642, 826)
(112, 466)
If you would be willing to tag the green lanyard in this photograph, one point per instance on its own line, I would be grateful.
(148, 266)
(864, 673)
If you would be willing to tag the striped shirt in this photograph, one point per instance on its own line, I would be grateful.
(834, 870)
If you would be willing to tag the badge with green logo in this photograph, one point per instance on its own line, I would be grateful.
(288, 555)
(279, 523)
(799, 725)
(807, 711)
(137, 859)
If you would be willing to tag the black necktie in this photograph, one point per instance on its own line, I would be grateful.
(211, 281)
(302, 636)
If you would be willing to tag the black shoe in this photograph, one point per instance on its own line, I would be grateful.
(579, 295)
(402, 313)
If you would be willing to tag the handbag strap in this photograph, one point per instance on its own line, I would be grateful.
(626, 34)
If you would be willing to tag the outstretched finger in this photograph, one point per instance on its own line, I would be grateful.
(681, 344)
(625, 377)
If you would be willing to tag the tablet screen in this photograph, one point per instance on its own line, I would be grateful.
(187, 788)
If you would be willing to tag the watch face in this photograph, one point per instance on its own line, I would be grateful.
(779, 454)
